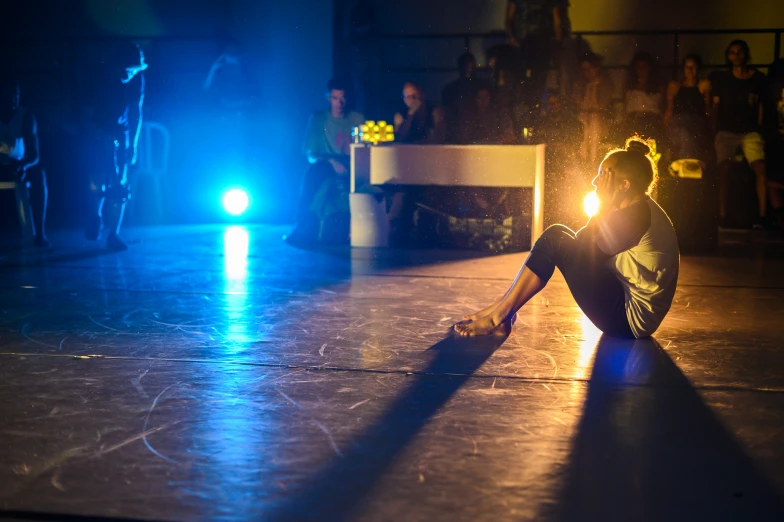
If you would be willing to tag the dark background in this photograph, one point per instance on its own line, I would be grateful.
(289, 50)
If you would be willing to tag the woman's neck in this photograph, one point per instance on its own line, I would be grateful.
(631, 200)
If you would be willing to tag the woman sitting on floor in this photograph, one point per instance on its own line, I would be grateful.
(621, 268)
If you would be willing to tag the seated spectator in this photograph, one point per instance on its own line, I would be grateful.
(484, 123)
(686, 116)
(459, 95)
(19, 152)
(327, 149)
(592, 96)
(421, 123)
(559, 127)
(737, 118)
(643, 99)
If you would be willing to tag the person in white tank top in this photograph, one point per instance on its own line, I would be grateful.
(621, 268)
(19, 151)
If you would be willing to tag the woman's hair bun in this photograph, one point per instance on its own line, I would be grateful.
(638, 145)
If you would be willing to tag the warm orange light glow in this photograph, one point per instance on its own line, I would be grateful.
(591, 204)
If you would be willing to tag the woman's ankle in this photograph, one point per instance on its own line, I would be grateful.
(501, 315)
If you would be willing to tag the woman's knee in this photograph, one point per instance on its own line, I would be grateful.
(556, 233)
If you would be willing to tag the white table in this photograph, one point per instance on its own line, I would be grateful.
(511, 166)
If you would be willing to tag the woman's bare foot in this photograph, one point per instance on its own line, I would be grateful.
(481, 313)
(485, 326)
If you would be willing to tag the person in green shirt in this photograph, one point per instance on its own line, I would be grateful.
(326, 147)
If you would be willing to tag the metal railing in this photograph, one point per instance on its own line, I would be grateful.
(676, 35)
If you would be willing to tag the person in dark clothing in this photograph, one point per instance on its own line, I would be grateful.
(421, 124)
(686, 115)
(537, 28)
(119, 98)
(458, 95)
(484, 122)
(19, 152)
(508, 87)
(737, 118)
(774, 139)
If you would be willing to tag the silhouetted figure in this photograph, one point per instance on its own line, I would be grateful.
(774, 139)
(19, 152)
(537, 28)
(483, 122)
(508, 89)
(363, 55)
(229, 83)
(458, 95)
(686, 116)
(592, 96)
(737, 117)
(118, 115)
(643, 99)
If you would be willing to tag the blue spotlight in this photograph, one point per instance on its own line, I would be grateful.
(235, 201)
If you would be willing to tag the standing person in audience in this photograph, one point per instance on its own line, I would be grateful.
(421, 124)
(643, 99)
(592, 96)
(774, 139)
(19, 151)
(458, 95)
(508, 88)
(537, 28)
(687, 112)
(326, 147)
(737, 119)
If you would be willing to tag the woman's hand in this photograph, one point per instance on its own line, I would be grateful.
(606, 190)
(398, 120)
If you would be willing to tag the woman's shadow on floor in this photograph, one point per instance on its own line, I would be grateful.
(648, 448)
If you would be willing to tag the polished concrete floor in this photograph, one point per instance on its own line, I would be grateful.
(213, 373)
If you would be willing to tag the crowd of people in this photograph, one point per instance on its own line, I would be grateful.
(723, 121)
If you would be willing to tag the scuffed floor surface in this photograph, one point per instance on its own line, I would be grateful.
(220, 374)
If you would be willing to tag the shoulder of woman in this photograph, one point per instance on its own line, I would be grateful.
(704, 84)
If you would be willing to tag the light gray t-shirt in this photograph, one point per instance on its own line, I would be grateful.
(330, 136)
(649, 270)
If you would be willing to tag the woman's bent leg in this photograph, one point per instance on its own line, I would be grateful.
(594, 287)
